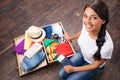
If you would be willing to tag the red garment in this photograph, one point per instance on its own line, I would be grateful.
(64, 49)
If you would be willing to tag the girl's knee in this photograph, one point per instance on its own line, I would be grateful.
(63, 74)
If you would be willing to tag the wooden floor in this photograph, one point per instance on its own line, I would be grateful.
(17, 15)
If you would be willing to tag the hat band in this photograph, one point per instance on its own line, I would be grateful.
(38, 36)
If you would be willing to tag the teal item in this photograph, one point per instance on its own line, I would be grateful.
(49, 41)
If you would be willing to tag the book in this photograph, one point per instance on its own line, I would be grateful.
(64, 60)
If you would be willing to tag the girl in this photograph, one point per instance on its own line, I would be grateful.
(95, 43)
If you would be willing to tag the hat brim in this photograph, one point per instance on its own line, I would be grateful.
(39, 39)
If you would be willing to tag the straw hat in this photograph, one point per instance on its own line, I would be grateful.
(36, 34)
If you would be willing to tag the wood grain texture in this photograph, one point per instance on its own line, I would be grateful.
(17, 15)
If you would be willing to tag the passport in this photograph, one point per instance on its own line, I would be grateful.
(64, 60)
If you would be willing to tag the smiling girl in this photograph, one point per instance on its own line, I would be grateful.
(95, 43)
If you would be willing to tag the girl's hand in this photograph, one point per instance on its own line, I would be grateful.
(69, 68)
(66, 36)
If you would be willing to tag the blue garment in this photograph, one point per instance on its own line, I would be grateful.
(78, 60)
(48, 30)
(30, 63)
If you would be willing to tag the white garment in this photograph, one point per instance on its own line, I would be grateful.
(88, 46)
(57, 29)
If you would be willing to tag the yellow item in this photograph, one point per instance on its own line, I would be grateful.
(54, 44)
(27, 42)
(52, 56)
(50, 49)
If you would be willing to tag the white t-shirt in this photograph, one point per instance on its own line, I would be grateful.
(88, 46)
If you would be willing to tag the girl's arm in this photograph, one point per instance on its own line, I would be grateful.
(92, 66)
(75, 36)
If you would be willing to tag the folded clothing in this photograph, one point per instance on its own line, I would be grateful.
(19, 48)
(27, 41)
(50, 42)
(64, 49)
(57, 29)
(30, 63)
(48, 30)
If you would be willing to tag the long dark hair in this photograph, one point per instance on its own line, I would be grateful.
(101, 9)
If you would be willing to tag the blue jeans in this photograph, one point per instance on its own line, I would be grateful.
(30, 63)
(78, 60)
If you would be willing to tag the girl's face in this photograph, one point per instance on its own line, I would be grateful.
(91, 20)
